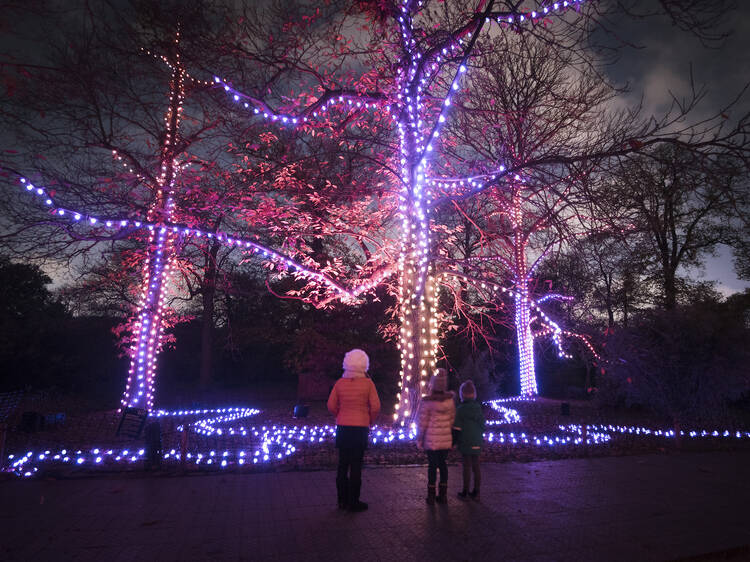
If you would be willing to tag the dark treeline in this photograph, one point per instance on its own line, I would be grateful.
(688, 364)
(260, 340)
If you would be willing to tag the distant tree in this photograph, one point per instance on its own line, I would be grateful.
(675, 207)
(23, 291)
(601, 272)
(104, 116)
(31, 323)
(741, 244)
(742, 259)
(739, 304)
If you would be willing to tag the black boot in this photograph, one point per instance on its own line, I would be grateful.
(430, 499)
(342, 490)
(354, 504)
(474, 494)
(443, 493)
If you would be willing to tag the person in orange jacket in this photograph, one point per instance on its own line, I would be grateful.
(355, 403)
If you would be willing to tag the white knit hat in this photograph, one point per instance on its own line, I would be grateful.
(356, 360)
(439, 381)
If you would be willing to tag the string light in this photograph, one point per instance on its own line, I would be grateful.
(343, 100)
(535, 16)
(149, 326)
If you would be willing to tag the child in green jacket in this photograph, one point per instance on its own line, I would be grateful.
(470, 426)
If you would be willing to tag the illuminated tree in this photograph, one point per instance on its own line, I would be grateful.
(528, 107)
(91, 121)
(169, 183)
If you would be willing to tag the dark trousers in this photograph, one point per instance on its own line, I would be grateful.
(471, 464)
(436, 460)
(349, 475)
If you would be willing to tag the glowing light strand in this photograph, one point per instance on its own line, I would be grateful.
(535, 16)
(274, 443)
(149, 326)
(333, 101)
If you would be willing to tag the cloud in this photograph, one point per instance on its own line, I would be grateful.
(666, 55)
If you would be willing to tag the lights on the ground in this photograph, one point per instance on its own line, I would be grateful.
(247, 446)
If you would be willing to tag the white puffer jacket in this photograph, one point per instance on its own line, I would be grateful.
(435, 421)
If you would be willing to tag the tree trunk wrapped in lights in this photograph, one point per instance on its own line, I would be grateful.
(149, 329)
(418, 342)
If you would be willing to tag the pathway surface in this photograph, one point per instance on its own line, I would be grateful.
(656, 507)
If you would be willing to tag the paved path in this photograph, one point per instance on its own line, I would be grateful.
(659, 507)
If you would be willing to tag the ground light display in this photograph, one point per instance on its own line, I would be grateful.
(257, 445)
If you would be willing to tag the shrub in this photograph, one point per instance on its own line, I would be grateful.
(686, 364)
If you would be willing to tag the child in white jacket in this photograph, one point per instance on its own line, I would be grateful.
(435, 422)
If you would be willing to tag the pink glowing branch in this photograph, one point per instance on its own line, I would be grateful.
(172, 67)
(128, 162)
(547, 331)
(180, 229)
(370, 284)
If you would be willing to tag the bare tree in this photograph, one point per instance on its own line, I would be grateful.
(678, 207)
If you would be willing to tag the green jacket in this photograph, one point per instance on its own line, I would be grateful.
(470, 425)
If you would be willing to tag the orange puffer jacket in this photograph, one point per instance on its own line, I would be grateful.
(435, 421)
(354, 401)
